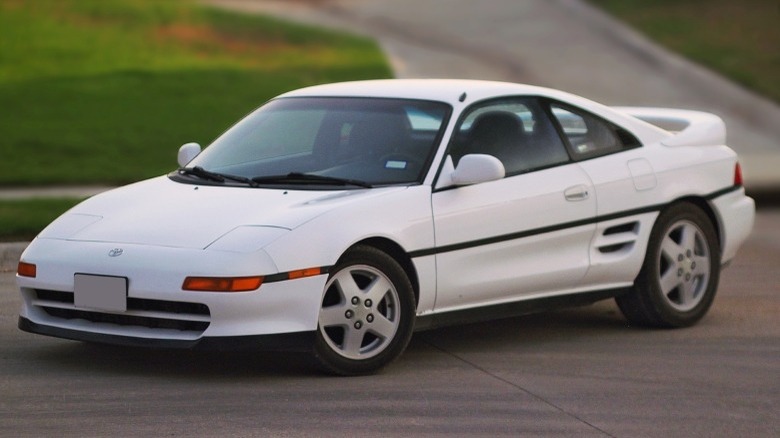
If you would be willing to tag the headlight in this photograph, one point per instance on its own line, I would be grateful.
(246, 239)
(68, 225)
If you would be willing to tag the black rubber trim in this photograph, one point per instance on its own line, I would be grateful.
(553, 228)
(297, 341)
(518, 308)
(722, 192)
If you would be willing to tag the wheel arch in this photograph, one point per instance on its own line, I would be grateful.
(708, 210)
(395, 251)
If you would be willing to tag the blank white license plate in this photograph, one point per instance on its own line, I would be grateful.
(100, 292)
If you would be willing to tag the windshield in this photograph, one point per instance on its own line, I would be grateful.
(366, 140)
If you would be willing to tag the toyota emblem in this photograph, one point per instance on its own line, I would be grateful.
(116, 252)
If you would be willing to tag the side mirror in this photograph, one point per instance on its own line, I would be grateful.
(477, 168)
(187, 152)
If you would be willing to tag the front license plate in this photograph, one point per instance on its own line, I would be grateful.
(100, 292)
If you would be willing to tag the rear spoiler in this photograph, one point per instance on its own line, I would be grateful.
(688, 128)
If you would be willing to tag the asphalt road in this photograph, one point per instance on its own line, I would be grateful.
(578, 372)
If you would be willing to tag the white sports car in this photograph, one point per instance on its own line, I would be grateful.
(340, 218)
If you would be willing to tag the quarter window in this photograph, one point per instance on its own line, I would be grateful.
(590, 136)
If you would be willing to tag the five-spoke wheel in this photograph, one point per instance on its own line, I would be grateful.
(367, 313)
(679, 278)
(684, 265)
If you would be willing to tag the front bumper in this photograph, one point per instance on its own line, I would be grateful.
(159, 313)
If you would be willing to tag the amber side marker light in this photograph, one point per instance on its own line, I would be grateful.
(27, 270)
(222, 284)
(301, 273)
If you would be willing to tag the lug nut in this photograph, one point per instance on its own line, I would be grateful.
(689, 253)
(679, 272)
(358, 324)
(355, 300)
(693, 265)
(368, 303)
(680, 258)
(370, 317)
(349, 314)
(687, 277)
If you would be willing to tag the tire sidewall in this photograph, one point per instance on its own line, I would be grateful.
(649, 281)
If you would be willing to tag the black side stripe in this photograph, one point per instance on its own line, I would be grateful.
(553, 228)
(722, 192)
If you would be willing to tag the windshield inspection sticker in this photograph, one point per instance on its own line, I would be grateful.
(395, 164)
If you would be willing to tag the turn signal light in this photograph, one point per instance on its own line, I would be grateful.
(27, 270)
(222, 284)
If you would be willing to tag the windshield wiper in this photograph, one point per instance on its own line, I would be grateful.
(215, 176)
(309, 178)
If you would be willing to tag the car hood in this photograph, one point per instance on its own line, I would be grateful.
(162, 212)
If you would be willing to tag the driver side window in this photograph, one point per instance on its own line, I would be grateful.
(516, 131)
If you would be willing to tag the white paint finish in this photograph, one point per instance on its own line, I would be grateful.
(477, 168)
(187, 152)
(691, 128)
(516, 267)
(166, 213)
(169, 230)
(621, 265)
(736, 214)
(642, 174)
(246, 239)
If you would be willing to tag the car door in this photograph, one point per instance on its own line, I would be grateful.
(625, 184)
(524, 235)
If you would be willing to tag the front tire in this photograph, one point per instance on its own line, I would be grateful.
(367, 313)
(680, 274)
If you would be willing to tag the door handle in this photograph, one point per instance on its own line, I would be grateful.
(577, 193)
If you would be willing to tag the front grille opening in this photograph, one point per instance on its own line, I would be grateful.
(178, 312)
(128, 320)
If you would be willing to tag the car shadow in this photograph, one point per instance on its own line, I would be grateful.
(174, 363)
(534, 330)
(530, 331)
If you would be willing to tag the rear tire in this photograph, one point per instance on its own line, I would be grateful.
(367, 313)
(680, 274)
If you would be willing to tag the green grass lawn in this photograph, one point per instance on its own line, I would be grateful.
(21, 220)
(105, 92)
(740, 39)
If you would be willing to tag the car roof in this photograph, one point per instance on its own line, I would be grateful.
(463, 92)
(444, 90)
